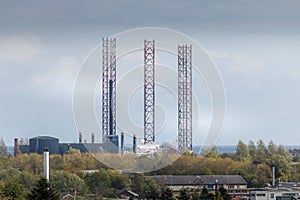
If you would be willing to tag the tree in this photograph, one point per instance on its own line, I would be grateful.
(166, 193)
(43, 190)
(252, 150)
(150, 189)
(241, 152)
(67, 182)
(138, 184)
(12, 190)
(204, 194)
(261, 155)
(3, 148)
(184, 194)
(272, 149)
(99, 183)
(224, 194)
(211, 152)
(73, 151)
(118, 181)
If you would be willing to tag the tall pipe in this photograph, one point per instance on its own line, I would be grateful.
(134, 143)
(46, 163)
(110, 108)
(80, 137)
(93, 138)
(273, 176)
(16, 147)
(122, 142)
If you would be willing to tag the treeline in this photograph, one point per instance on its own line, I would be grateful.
(253, 161)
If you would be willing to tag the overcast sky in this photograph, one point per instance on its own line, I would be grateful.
(255, 44)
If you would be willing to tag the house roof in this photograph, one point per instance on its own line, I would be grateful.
(199, 180)
(128, 193)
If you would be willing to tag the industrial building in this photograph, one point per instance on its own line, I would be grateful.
(37, 145)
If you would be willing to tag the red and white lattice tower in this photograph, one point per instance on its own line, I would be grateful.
(149, 91)
(108, 87)
(184, 97)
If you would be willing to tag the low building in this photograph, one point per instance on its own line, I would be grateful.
(127, 194)
(230, 182)
(273, 194)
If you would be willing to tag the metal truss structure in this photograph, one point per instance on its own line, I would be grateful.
(149, 91)
(108, 87)
(184, 97)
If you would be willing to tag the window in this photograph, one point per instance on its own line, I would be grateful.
(272, 195)
(261, 195)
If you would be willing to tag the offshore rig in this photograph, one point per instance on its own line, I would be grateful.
(148, 144)
(110, 139)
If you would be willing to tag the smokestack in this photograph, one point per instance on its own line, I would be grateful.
(80, 137)
(273, 176)
(122, 142)
(93, 138)
(16, 147)
(134, 143)
(46, 163)
(110, 108)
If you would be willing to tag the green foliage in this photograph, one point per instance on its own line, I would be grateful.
(211, 152)
(66, 182)
(137, 183)
(73, 151)
(184, 194)
(21, 177)
(12, 190)
(241, 152)
(150, 189)
(99, 183)
(166, 193)
(223, 192)
(43, 190)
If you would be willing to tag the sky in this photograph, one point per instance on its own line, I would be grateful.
(255, 45)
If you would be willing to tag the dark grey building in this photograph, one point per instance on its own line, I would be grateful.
(37, 144)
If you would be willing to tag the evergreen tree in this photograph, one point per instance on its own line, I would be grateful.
(223, 192)
(261, 152)
(242, 153)
(252, 150)
(204, 193)
(3, 148)
(166, 193)
(42, 190)
(184, 194)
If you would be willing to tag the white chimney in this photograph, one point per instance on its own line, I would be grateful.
(273, 176)
(46, 163)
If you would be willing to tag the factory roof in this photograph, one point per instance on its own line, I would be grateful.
(200, 179)
(44, 138)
